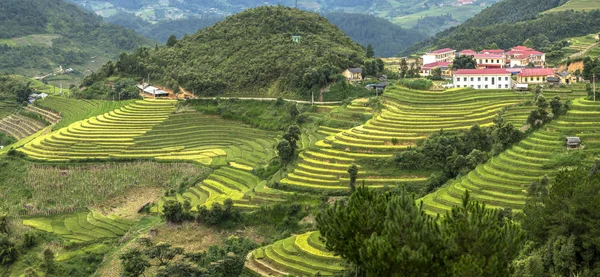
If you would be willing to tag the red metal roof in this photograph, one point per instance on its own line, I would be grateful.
(441, 51)
(435, 64)
(485, 71)
(492, 51)
(522, 48)
(467, 52)
(488, 56)
(529, 72)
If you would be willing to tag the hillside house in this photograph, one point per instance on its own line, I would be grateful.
(492, 51)
(151, 90)
(444, 66)
(521, 56)
(440, 55)
(353, 74)
(566, 78)
(573, 142)
(490, 60)
(535, 75)
(489, 78)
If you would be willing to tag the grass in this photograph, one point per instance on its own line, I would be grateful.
(37, 189)
(578, 5)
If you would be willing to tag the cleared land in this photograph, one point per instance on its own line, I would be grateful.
(301, 255)
(578, 5)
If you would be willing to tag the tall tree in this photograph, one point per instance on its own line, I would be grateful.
(353, 172)
(528, 43)
(134, 263)
(464, 62)
(370, 52)
(172, 41)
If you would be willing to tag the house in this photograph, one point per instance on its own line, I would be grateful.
(440, 55)
(154, 91)
(535, 75)
(490, 60)
(566, 77)
(444, 66)
(488, 78)
(353, 74)
(573, 142)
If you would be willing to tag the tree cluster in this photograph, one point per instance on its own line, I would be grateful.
(286, 149)
(540, 116)
(224, 261)
(383, 234)
(562, 222)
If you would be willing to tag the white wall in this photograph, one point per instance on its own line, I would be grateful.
(483, 81)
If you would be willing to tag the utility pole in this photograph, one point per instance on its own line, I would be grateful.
(594, 87)
(312, 97)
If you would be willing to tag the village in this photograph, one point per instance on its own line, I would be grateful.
(517, 69)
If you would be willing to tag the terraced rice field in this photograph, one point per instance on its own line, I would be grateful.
(19, 126)
(72, 110)
(49, 115)
(408, 116)
(301, 255)
(82, 227)
(104, 136)
(7, 107)
(502, 181)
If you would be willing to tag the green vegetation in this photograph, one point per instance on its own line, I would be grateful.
(262, 59)
(46, 34)
(577, 5)
(387, 38)
(512, 22)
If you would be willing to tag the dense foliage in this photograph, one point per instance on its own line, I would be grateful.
(387, 38)
(562, 222)
(76, 35)
(389, 235)
(162, 30)
(259, 57)
(508, 27)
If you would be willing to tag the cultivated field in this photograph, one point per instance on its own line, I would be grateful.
(578, 5)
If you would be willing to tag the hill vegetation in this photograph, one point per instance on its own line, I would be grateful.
(38, 36)
(259, 57)
(508, 27)
(387, 38)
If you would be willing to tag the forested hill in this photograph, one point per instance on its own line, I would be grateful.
(511, 22)
(387, 38)
(251, 52)
(38, 35)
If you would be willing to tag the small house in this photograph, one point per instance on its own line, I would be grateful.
(535, 75)
(353, 74)
(573, 142)
(566, 77)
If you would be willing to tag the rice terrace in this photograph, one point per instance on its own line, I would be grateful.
(272, 144)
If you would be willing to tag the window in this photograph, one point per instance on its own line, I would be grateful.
(471, 79)
(505, 78)
(538, 78)
(472, 86)
(499, 86)
(505, 86)
(479, 86)
(479, 79)
(486, 78)
(486, 86)
(486, 60)
(465, 79)
(493, 80)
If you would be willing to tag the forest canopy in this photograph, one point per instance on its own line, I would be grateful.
(249, 53)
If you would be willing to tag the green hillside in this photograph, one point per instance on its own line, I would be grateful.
(37, 37)
(578, 5)
(511, 22)
(249, 53)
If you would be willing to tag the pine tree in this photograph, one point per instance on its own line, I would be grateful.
(370, 51)
(172, 41)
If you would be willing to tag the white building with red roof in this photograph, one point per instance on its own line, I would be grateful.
(492, 51)
(489, 78)
(535, 75)
(427, 68)
(490, 60)
(521, 56)
(440, 55)
(467, 52)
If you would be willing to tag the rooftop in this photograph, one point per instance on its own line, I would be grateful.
(355, 70)
(528, 72)
(492, 51)
(488, 56)
(436, 64)
(485, 71)
(441, 51)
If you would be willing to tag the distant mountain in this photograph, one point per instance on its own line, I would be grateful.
(252, 52)
(36, 36)
(162, 30)
(511, 22)
(387, 38)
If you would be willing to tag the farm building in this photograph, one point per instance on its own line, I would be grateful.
(154, 91)
(440, 55)
(573, 142)
(490, 60)
(566, 77)
(444, 66)
(353, 74)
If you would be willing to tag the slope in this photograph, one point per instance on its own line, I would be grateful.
(577, 5)
(36, 36)
(511, 22)
(387, 38)
(251, 53)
